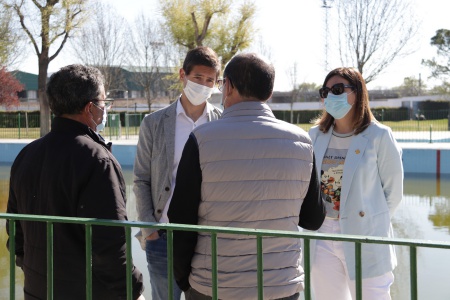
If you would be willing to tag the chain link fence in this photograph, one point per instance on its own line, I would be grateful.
(432, 126)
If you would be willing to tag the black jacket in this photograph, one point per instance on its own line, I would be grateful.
(70, 172)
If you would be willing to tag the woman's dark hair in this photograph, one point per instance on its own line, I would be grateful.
(363, 115)
(201, 56)
(251, 75)
(72, 87)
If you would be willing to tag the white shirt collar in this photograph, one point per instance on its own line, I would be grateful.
(180, 108)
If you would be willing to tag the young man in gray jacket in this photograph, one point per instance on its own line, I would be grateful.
(161, 140)
(248, 170)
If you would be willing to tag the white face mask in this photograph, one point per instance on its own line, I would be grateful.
(101, 125)
(337, 105)
(196, 93)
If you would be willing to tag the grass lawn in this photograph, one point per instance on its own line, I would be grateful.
(409, 125)
(23, 133)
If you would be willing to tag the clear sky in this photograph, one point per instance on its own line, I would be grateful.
(294, 31)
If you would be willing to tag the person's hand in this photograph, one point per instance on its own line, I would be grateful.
(153, 236)
(141, 297)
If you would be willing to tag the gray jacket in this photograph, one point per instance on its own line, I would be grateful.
(255, 172)
(154, 161)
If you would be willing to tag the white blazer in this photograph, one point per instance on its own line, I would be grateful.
(372, 188)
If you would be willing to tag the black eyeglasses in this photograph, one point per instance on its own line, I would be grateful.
(108, 105)
(336, 89)
(221, 83)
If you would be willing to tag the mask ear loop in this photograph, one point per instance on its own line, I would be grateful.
(322, 103)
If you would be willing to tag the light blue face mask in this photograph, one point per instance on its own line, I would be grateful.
(337, 105)
(102, 125)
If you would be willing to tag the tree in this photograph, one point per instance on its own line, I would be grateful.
(193, 23)
(373, 33)
(46, 23)
(261, 47)
(11, 41)
(440, 66)
(309, 87)
(411, 86)
(443, 89)
(9, 87)
(150, 57)
(102, 42)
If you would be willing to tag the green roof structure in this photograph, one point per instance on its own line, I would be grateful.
(30, 81)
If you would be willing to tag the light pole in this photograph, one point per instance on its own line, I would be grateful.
(326, 5)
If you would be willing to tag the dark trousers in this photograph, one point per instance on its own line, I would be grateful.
(192, 294)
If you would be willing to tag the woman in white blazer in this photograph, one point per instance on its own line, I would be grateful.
(361, 177)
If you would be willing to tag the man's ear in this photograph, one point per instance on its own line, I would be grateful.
(229, 89)
(182, 73)
(87, 108)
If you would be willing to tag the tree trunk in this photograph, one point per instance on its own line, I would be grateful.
(43, 101)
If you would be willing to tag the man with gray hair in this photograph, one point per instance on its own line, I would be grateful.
(71, 172)
(248, 170)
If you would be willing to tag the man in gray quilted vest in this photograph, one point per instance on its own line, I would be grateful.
(246, 170)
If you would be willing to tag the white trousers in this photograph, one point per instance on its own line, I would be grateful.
(329, 274)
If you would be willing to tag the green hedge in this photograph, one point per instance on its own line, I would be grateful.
(433, 105)
(306, 116)
(391, 113)
(300, 116)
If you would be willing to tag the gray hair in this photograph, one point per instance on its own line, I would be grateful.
(72, 87)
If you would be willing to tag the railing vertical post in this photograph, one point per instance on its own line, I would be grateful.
(49, 260)
(88, 241)
(413, 271)
(260, 267)
(215, 284)
(358, 274)
(170, 263)
(12, 259)
(18, 122)
(431, 133)
(129, 263)
(307, 264)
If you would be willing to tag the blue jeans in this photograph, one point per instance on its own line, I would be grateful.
(156, 251)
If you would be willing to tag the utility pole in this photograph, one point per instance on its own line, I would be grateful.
(326, 5)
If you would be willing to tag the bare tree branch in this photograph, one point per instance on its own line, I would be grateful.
(366, 39)
(102, 43)
(53, 17)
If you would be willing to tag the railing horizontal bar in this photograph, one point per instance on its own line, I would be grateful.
(254, 232)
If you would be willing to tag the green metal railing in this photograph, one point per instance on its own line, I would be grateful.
(357, 240)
